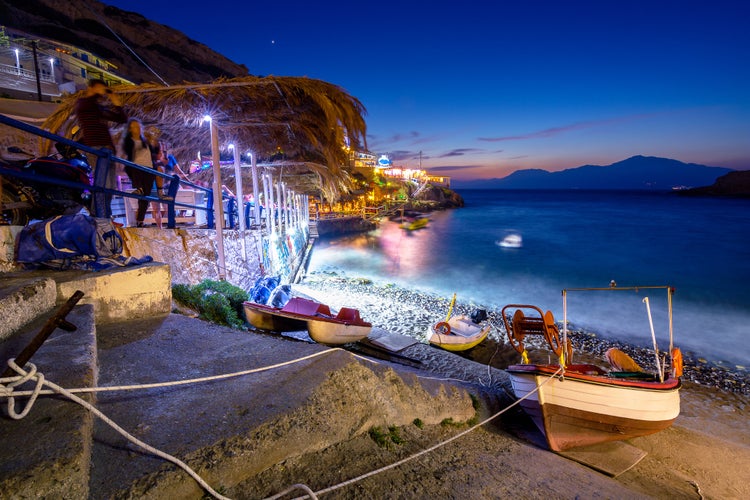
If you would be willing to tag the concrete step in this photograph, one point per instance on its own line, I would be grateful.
(22, 299)
(117, 294)
(47, 454)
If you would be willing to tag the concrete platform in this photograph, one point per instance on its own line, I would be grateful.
(227, 430)
(23, 299)
(117, 294)
(47, 454)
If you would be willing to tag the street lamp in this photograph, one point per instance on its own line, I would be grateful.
(218, 208)
(52, 68)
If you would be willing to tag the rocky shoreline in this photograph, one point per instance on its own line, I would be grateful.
(411, 312)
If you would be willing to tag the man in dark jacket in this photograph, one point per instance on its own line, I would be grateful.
(94, 111)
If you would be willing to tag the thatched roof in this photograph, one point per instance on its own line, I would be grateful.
(302, 120)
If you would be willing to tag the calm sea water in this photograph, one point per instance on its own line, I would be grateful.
(701, 246)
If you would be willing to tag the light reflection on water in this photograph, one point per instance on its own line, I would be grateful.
(577, 240)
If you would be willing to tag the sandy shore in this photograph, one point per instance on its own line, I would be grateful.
(706, 454)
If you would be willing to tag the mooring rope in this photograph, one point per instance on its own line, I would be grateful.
(431, 448)
(8, 385)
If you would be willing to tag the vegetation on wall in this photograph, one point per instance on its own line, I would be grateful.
(216, 301)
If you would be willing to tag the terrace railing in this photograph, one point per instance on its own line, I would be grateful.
(105, 161)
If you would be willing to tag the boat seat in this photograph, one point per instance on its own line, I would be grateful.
(349, 314)
(298, 305)
(621, 362)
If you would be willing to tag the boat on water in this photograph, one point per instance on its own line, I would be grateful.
(304, 314)
(512, 240)
(576, 405)
(416, 224)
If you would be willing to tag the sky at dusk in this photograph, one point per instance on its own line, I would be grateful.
(486, 88)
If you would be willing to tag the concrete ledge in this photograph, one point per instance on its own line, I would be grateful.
(22, 300)
(48, 453)
(120, 293)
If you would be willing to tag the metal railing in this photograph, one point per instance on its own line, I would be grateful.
(25, 73)
(105, 161)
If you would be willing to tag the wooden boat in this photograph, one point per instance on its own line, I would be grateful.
(582, 404)
(459, 333)
(304, 314)
(415, 224)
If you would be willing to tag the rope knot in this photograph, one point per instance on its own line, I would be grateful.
(8, 385)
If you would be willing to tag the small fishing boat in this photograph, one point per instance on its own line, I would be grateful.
(460, 333)
(577, 405)
(303, 314)
(512, 240)
(415, 224)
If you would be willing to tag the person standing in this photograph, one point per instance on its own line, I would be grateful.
(94, 111)
(138, 150)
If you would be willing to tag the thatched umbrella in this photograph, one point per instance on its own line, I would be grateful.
(308, 121)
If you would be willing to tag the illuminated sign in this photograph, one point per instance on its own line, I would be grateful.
(383, 161)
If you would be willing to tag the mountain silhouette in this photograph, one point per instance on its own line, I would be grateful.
(635, 173)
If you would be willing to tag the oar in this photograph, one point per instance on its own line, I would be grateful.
(450, 309)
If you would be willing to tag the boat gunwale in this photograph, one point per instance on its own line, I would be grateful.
(670, 384)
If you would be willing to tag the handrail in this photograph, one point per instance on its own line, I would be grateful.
(105, 160)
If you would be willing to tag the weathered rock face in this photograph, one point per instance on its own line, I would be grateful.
(344, 225)
(735, 184)
(174, 56)
(445, 197)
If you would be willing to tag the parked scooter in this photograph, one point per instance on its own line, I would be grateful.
(26, 198)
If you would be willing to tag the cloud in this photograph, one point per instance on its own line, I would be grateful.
(409, 136)
(549, 132)
(459, 152)
(399, 155)
(446, 168)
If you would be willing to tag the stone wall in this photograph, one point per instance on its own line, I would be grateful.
(192, 254)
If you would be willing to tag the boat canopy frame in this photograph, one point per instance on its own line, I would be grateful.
(613, 287)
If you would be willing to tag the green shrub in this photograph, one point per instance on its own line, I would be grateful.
(216, 301)
(380, 437)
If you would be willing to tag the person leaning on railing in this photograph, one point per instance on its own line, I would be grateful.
(94, 111)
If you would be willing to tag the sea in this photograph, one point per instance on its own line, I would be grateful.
(578, 239)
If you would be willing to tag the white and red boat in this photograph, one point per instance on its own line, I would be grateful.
(583, 404)
(304, 314)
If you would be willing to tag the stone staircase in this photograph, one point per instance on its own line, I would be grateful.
(48, 453)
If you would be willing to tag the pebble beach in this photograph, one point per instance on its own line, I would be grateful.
(412, 312)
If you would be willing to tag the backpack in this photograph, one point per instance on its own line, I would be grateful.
(65, 240)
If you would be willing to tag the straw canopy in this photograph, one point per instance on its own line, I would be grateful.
(303, 122)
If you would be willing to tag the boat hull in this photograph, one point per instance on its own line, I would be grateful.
(335, 333)
(464, 335)
(583, 409)
(270, 318)
(302, 314)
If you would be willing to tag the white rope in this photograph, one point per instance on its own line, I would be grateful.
(423, 452)
(31, 374)
(84, 390)
(8, 385)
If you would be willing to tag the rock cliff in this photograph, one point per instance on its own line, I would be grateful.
(734, 184)
(84, 23)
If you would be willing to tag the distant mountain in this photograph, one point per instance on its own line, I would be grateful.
(635, 173)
